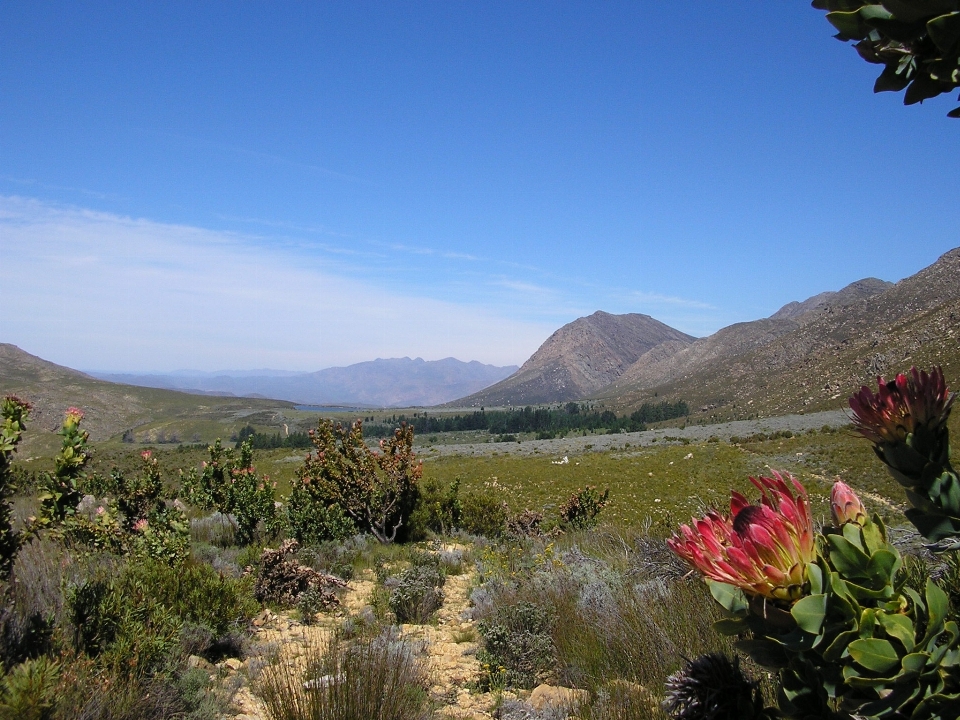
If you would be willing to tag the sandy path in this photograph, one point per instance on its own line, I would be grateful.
(448, 649)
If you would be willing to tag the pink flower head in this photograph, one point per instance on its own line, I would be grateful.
(845, 505)
(74, 415)
(762, 549)
(902, 405)
(141, 525)
(146, 454)
(100, 510)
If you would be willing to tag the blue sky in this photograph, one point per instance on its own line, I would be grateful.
(301, 185)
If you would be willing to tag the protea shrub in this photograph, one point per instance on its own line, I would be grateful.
(906, 420)
(826, 610)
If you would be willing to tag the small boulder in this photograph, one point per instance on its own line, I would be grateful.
(554, 697)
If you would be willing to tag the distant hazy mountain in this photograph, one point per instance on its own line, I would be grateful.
(579, 359)
(396, 382)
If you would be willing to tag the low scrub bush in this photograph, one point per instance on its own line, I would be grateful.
(124, 631)
(355, 680)
(143, 618)
(517, 647)
(195, 593)
(417, 592)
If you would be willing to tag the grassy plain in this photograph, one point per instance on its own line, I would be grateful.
(659, 485)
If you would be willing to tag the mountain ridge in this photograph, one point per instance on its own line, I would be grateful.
(812, 361)
(578, 359)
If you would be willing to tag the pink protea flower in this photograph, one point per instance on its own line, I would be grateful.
(141, 525)
(902, 405)
(845, 505)
(762, 549)
(146, 454)
(74, 415)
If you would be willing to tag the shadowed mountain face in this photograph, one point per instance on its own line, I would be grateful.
(810, 355)
(579, 359)
(397, 382)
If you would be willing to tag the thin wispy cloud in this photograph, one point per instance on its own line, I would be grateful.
(30, 182)
(283, 225)
(261, 155)
(657, 299)
(97, 290)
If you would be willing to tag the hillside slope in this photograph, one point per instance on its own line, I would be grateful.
(811, 361)
(110, 408)
(579, 359)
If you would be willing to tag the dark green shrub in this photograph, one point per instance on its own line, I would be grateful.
(125, 631)
(29, 690)
(312, 520)
(516, 644)
(135, 622)
(484, 513)
(13, 414)
(438, 509)
(196, 593)
(581, 509)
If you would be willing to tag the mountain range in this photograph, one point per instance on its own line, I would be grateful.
(808, 356)
(395, 382)
(811, 360)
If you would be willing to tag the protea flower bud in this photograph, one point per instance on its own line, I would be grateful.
(762, 549)
(845, 505)
(73, 416)
(902, 406)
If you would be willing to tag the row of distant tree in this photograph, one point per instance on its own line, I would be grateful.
(543, 421)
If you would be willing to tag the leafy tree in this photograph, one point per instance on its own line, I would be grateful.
(377, 490)
(916, 41)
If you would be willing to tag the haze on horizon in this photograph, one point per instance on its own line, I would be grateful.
(305, 186)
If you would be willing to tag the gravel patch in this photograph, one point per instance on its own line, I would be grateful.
(600, 443)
